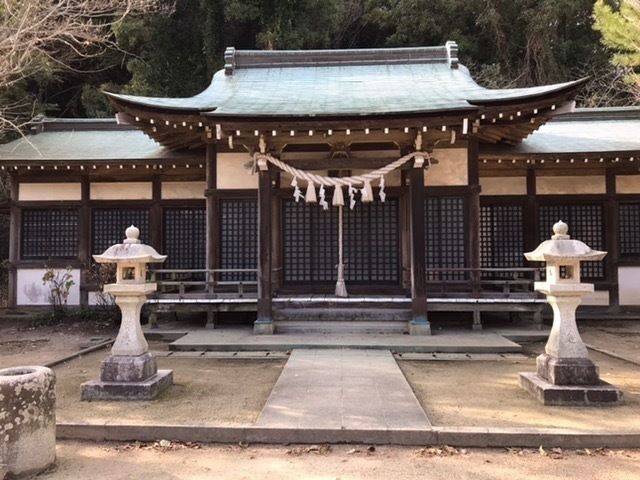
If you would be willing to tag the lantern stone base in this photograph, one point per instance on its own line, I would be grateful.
(128, 378)
(567, 371)
(547, 393)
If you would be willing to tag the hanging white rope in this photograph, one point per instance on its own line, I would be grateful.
(365, 179)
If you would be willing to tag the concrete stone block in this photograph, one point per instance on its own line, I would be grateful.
(144, 390)
(567, 371)
(419, 328)
(547, 393)
(128, 368)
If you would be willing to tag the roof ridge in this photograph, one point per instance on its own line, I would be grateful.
(240, 59)
(599, 113)
(52, 124)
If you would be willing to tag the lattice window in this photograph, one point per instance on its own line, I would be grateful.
(501, 237)
(629, 228)
(445, 235)
(585, 224)
(238, 237)
(371, 243)
(185, 238)
(49, 233)
(109, 224)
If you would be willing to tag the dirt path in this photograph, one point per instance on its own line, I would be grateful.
(22, 344)
(155, 462)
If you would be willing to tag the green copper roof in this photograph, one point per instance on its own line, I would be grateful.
(321, 83)
(87, 140)
(586, 130)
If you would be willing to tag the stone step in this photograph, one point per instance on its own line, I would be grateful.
(329, 326)
(343, 314)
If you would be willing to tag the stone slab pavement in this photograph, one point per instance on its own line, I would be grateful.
(343, 389)
(243, 339)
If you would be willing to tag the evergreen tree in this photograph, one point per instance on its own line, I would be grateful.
(621, 32)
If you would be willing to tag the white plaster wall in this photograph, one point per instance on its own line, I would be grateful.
(450, 170)
(94, 298)
(597, 298)
(28, 192)
(571, 185)
(629, 285)
(121, 191)
(31, 291)
(503, 185)
(627, 183)
(183, 190)
(232, 172)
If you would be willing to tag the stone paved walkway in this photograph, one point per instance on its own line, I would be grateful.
(348, 389)
(238, 339)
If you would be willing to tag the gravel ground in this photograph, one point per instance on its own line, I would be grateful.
(488, 394)
(206, 391)
(162, 461)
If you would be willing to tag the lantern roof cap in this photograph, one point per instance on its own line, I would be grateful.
(130, 250)
(561, 247)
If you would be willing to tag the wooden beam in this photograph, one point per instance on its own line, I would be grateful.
(419, 324)
(264, 320)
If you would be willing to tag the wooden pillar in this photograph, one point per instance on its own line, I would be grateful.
(276, 244)
(530, 214)
(84, 247)
(405, 229)
(15, 225)
(612, 240)
(473, 220)
(212, 222)
(419, 324)
(264, 321)
(155, 215)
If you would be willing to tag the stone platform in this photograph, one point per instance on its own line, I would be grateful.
(602, 393)
(147, 389)
(243, 339)
(343, 389)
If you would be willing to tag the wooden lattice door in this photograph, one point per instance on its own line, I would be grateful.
(371, 243)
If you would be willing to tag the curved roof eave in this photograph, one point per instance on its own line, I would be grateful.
(180, 104)
(526, 93)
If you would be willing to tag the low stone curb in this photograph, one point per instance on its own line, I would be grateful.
(612, 354)
(79, 353)
(453, 436)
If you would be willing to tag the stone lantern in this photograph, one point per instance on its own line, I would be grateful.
(565, 375)
(130, 372)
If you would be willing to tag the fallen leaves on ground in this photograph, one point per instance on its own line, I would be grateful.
(369, 450)
(315, 449)
(554, 453)
(442, 451)
(160, 445)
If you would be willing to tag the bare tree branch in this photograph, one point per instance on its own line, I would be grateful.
(44, 36)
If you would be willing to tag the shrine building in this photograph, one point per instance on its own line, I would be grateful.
(302, 184)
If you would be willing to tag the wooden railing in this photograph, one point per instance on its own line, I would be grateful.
(484, 282)
(204, 281)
